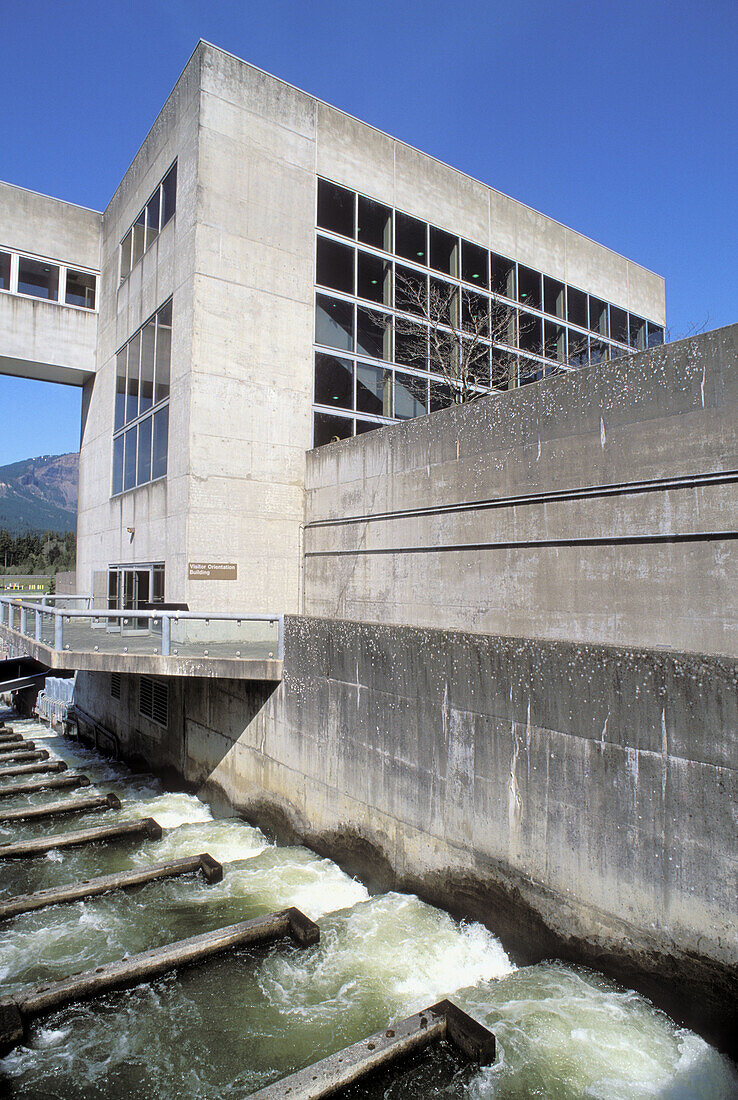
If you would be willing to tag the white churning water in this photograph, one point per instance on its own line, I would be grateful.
(227, 1027)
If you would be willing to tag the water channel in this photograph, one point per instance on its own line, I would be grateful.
(230, 1026)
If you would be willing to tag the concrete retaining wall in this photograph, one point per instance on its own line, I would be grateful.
(581, 800)
(598, 507)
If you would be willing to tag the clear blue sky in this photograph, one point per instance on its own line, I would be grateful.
(618, 119)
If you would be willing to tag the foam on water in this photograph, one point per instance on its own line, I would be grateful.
(224, 1029)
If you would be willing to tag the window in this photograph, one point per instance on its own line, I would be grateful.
(637, 329)
(329, 429)
(503, 276)
(39, 279)
(411, 238)
(375, 224)
(655, 335)
(554, 298)
(598, 316)
(153, 700)
(334, 381)
(335, 265)
(474, 261)
(444, 252)
(529, 287)
(336, 208)
(373, 334)
(334, 323)
(577, 307)
(374, 279)
(141, 422)
(148, 225)
(4, 271)
(80, 289)
(411, 396)
(618, 325)
(373, 390)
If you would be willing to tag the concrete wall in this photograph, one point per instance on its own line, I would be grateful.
(157, 512)
(501, 517)
(582, 800)
(45, 340)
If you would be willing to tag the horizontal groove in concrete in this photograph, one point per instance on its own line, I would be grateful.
(441, 1021)
(87, 888)
(93, 803)
(15, 1010)
(23, 849)
(33, 769)
(48, 783)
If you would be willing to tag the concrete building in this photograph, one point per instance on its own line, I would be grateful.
(505, 673)
(253, 287)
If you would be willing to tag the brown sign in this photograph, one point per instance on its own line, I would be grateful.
(212, 571)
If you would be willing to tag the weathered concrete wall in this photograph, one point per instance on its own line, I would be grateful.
(40, 339)
(581, 800)
(599, 507)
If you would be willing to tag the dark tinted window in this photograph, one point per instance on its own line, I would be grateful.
(336, 208)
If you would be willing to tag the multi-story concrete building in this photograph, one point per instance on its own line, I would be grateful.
(256, 286)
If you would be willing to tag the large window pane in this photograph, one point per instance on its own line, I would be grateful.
(373, 390)
(578, 349)
(441, 395)
(37, 278)
(334, 381)
(411, 290)
(118, 464)
(598, 352)
(443, 302)
(80, 289)
(152, 218)
(444, 252)
(619, 324)
(169, 195)
(576, 301)
(655, 335)
(139, 237)
(144, 452)
(329, 429)
(555, 341)
(163, 351)
(334, 323)
(411, 345)
(530, 333)
(336, 208)
(4, 271)
(161, 437)
(129, 462)
(475, 313)
(529, 286)
(125, 255)
(504, 369)
(375, 224)
(335, 265)
(134, 363)
(373, 334)
(637, 329)
(474, 264)
(411, 396)
(503, 276)
(146, 392)
(374, 279)
(411, 238)
(598, 316)
(554, 298)
(120, 388)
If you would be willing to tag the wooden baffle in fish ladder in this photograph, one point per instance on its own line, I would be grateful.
(33, 769)
(26, 1003)
(20, 755)
(8, 736)
(26, 849)
(441, 1021)
(47, 783)
(16, 746)
(93, 803)
(212, 872)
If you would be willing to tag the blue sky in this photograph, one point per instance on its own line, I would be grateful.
(618, 119)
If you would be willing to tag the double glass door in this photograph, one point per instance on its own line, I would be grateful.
(135, 588)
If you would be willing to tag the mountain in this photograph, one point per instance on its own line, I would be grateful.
(39, 494)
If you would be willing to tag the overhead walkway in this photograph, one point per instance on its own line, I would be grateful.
(66, 633)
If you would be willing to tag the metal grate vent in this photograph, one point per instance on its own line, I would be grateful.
(115, 685)
(153, 701)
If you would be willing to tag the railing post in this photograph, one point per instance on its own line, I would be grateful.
(58, 631)
(38, 625)
(280, 638)
(22, 619)
(166, 635)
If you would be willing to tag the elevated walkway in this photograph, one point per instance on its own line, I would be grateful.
(66, 633)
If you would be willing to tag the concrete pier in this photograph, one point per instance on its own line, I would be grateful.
(139, 827)
(33, 769)
(212, 872)
(91, 804)
(441, 1021)
(16, 1010)
(49, 783)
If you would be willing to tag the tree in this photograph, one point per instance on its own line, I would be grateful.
(451, 332)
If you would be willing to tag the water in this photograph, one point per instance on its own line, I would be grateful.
(234, 1024)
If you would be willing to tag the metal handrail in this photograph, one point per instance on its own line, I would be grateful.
(166, 617)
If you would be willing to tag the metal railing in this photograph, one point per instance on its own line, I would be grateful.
(165, 633)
